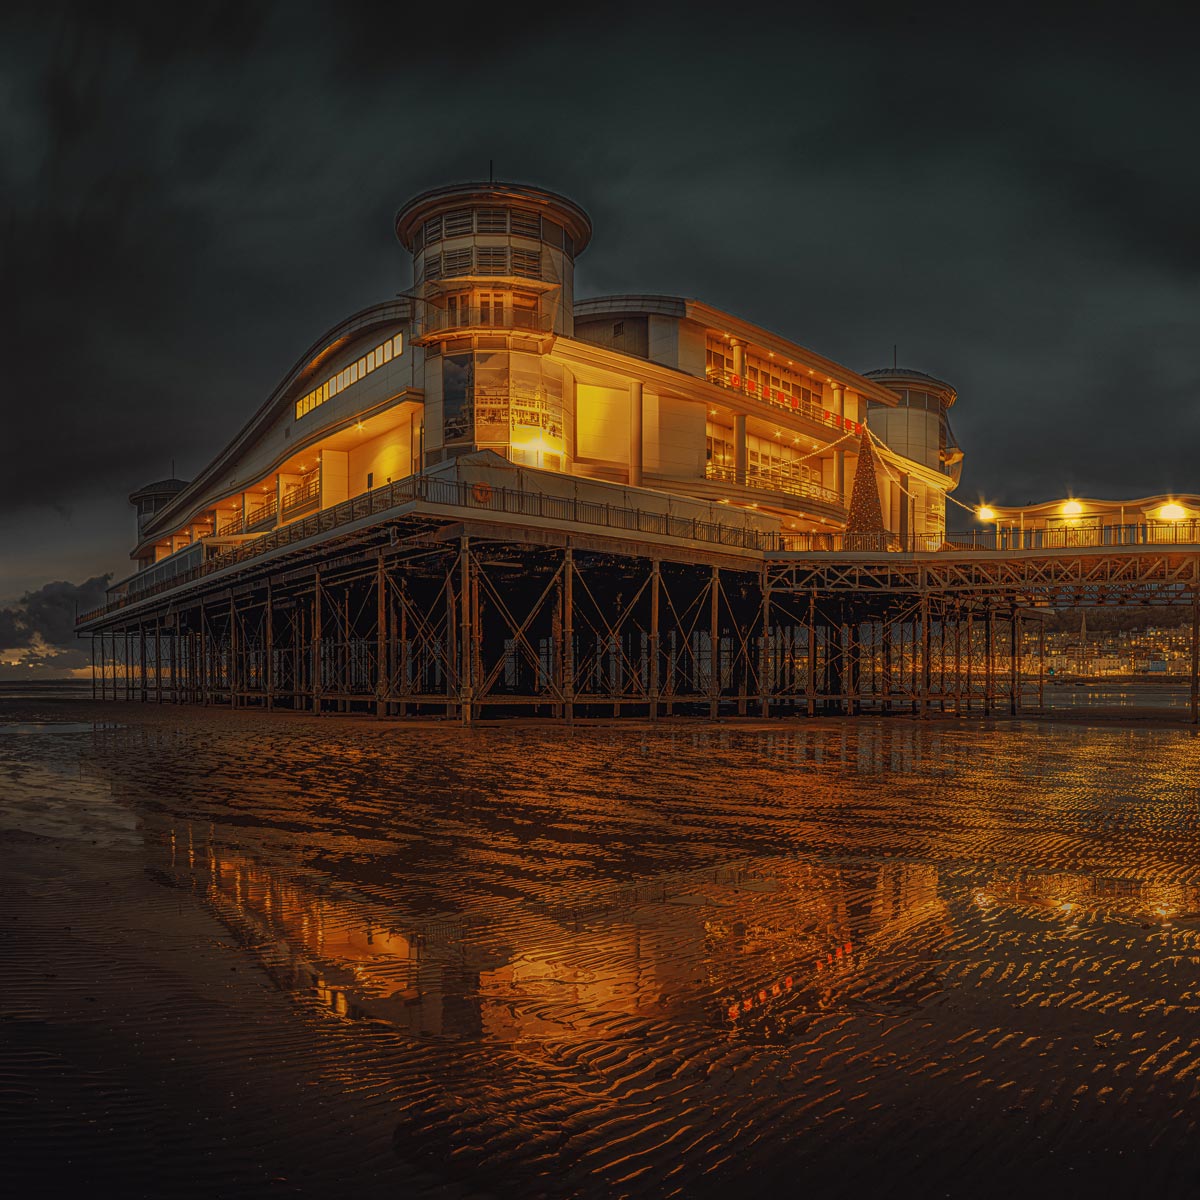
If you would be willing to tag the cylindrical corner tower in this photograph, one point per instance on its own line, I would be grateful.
(494, 255)
(918, 427)
(154, 496)
(493, 285)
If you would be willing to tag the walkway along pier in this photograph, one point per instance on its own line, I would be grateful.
(457, 594)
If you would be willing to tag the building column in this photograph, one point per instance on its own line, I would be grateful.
(739, 361)
(636, 417)
(839, 456)
(739, 448)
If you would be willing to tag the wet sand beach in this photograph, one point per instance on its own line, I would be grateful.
(253, 956)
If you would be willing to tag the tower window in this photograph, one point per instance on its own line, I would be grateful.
(457, 224)
(527, 263)
(491, 220)
(493, 260)
(526, 224)
(456, 262)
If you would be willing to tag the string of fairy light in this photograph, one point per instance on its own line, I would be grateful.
(1070, 508)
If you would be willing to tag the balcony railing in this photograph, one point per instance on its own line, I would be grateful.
(440, 319)
(303, 496)
(775, 481)
(262, 514)
(784, 400)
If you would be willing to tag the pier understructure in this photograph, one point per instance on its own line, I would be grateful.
(460, 599)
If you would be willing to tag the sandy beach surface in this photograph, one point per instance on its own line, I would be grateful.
(247, 955)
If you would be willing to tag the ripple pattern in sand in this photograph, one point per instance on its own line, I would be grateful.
(641, 962)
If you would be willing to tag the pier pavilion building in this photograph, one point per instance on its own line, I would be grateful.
(490, 351)
(486, 492)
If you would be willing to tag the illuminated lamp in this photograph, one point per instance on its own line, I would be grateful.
(985, 514)
(1172, 512)
(1071, 508)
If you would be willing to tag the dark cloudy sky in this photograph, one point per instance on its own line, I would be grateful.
(193, 193)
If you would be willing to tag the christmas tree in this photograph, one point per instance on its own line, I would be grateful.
(864, 522)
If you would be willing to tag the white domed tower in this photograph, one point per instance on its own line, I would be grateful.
(493, 272)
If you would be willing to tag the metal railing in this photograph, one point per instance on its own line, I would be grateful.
(492, 317)
(262, 513)
(301, 497)
(461, 494)
(1002, 541)
(774, 481)
(780, 399)
(481, 496)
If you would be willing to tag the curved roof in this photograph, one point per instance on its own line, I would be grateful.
(357, 325)
(565, 211)
(663, 306)
(891, 376)
(164, 487)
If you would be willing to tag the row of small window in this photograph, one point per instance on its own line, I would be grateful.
(369, 362)
(483, 260)
(465, 222)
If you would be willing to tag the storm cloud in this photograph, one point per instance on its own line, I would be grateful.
(47, 616)
(193, 194)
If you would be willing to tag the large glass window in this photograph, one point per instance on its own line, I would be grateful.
(508, 400)
(458, 398)
(491, 396)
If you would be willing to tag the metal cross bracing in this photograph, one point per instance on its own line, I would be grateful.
(475, 620)
(1066, 578)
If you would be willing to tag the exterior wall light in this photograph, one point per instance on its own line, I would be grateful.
(1172, 512)
(1072, 508)
(985, 514)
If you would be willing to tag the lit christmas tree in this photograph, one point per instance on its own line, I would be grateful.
(864, 522)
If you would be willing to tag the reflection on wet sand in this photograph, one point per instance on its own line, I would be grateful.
(754, 947)
(647, 962)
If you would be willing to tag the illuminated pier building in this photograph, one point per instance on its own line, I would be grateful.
(485, 496)
(491, 351)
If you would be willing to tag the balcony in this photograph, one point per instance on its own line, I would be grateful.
(785, 401)
(301, 498)
(442, 320)
(775, 481)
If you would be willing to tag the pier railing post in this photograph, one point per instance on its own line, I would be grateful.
(1014, 644)
(382, 680)
(316, 672)
(655, 665)
(764, 648)
(925, 680)
(568, 635)
(810, 687)
(464, 629)
(989, 651)
(269, 647)
(1195, 680)
(714, 646)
